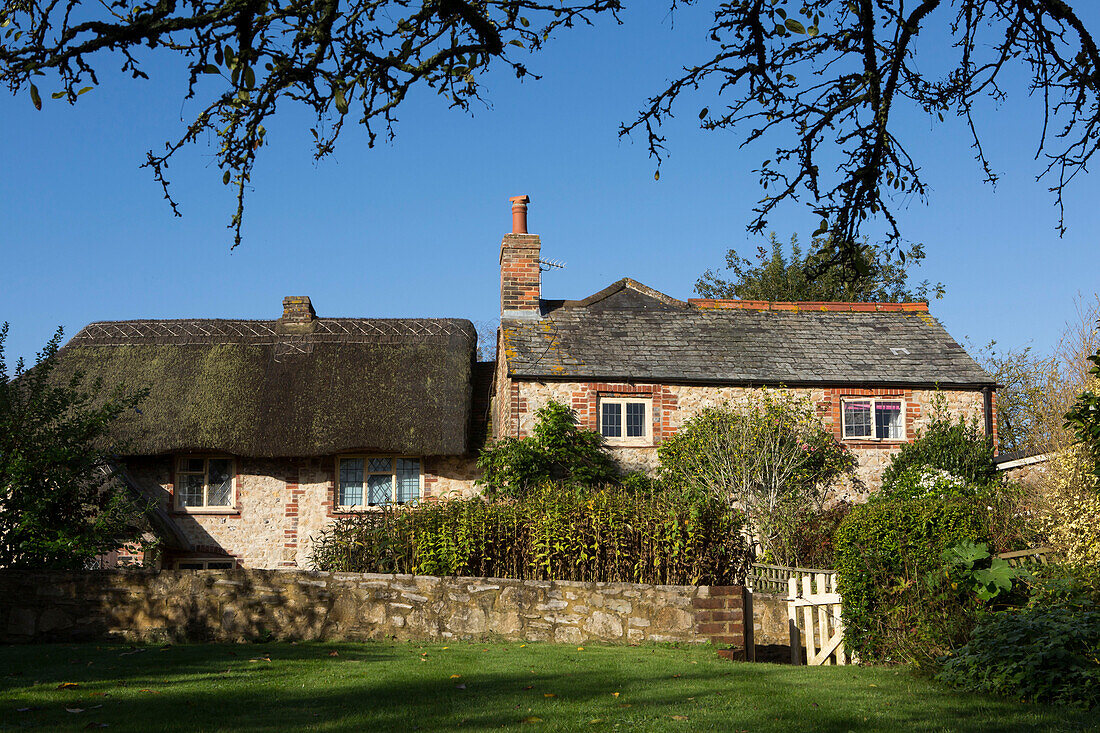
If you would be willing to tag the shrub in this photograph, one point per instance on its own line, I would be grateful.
(771, 457)
(1068, 507)
(810, 540)
(1037, 654)
(884, 554)
(557, 450)
(610, 534)
(958, 447)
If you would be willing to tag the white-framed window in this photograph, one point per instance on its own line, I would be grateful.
(626, 420)
(205, 484)
(206, 563)
(366, 481)
(877, 418)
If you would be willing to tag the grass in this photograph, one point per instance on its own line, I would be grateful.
(469, 686)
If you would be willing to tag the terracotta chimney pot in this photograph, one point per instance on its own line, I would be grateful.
(519, 213)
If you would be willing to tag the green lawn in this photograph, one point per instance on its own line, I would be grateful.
(437, 687)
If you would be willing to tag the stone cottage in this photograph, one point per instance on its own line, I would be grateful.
(256, 435)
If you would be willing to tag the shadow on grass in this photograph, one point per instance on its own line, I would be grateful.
(389, 687)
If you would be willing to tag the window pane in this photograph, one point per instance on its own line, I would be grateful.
(189, 565)
(376, 465)
(220, 482)
(190, 489)
(379, 489)
(351, 482)
(888, 420)
(219, 565)
(857, 419)
(635, 420)
(611, 420)
(408, 479)
(194, 465)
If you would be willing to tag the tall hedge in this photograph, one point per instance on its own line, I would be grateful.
(884, 552)
(559, 532)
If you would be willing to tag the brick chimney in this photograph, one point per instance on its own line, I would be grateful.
(519, 266)
(298, 314)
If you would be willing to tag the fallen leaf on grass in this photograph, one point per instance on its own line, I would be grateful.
(460, 686)
(675, 676)
(532, 719)
(614, 694)
(626, 705)
(678, 717)
(872, 685)
(74, 710)
(154, 692)
(522, 645)
(528, 687)
(549, 694)
(595, 720)
(24, 710)
(68, 685)
(334, 653)
(580, 649)
(456, 676)
(99, 694)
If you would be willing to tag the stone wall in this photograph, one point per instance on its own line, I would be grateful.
(236, 605)
(281, 505)
(673, 405)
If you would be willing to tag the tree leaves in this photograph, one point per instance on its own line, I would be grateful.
(36, 100)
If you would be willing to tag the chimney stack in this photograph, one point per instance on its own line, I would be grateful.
(298, 314)
(520, 278)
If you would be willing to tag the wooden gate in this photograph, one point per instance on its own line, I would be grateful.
(820, 629)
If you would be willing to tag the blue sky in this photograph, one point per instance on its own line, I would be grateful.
(413, 228)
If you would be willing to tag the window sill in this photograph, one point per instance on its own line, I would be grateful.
(620, 443)
(227, 512)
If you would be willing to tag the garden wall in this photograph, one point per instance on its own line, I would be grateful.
(236, 605)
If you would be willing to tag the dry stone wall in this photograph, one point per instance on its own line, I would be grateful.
(237, 605)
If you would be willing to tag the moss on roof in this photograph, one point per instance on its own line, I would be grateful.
(245, 388)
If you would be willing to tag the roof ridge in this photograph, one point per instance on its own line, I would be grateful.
(808, 305)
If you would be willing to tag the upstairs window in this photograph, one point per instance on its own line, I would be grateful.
(205, 484)
(626, 420)
(377, 481)
(874, 419)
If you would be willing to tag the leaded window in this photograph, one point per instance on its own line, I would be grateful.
(378, 481)
(204, 483)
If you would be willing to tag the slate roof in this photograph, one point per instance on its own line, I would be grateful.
(628, 332)
(257, 388)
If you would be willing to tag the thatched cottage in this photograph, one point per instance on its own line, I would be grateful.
(256, 434)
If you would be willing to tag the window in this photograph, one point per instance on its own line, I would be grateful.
(377, 481)
(204, 484)
(625, 421)
(203, 563)
(873, 419)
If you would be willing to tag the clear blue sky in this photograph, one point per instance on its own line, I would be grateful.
(413, 228)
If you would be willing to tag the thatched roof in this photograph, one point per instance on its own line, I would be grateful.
(266, 389)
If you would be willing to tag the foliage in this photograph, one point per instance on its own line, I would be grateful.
(556, 450)
(804, 278)
(1035, 391)
(1084, 417)
(958, 447)
(357, 60)
(608, 533)
(1036, 654)
(1068, 507)
(917, 481)
(986, 576)
(59, 504)
(810, 541)
(770, 456)
(885, 552)
(831, 75)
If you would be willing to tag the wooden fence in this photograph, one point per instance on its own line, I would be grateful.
(1034, 556)
(774, 578)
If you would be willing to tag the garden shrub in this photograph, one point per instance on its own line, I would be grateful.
(810, 540)
(958, 447)
(1068, 507)
(556, 450)
(560, 532)
(885, 552)
(771, 457)
(1037, 654)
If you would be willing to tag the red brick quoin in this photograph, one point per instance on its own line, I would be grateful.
(720, 614)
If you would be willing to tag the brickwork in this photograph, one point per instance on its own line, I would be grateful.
(520, 277)
(240, 605)
(673, 405)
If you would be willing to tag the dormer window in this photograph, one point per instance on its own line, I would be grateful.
(626, 420)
